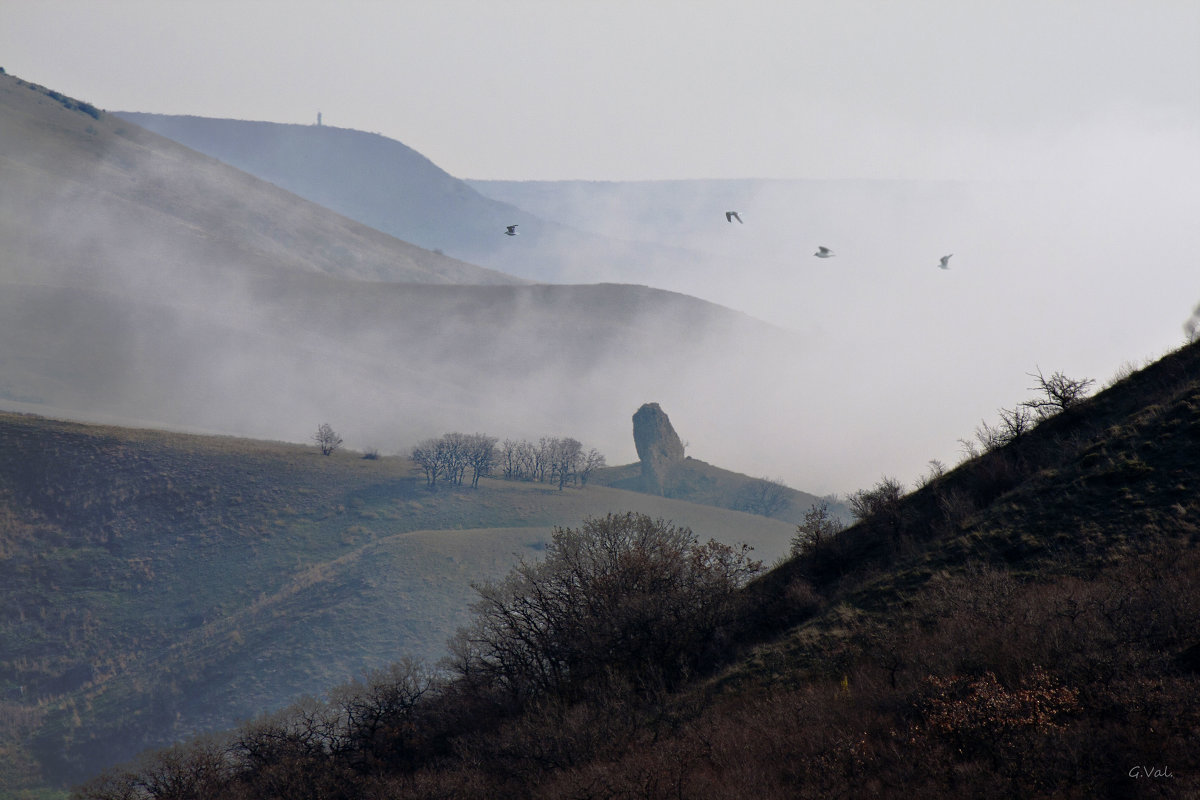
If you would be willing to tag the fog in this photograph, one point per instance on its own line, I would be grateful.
(1055, 151)
(898, 359)
(147, 285)
(226, 306)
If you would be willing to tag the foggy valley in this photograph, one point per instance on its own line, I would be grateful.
(907, 314)
(885, 354)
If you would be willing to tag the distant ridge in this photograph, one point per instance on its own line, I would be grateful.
(391, 187)
(78, 186)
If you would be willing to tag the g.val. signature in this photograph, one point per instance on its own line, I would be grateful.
(1144, 771)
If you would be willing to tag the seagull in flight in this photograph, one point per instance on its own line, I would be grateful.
(730, 216)
(512, 231)
(824, 252)
(945, 262)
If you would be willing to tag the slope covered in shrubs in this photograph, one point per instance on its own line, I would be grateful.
(157, 585)
(1024, 625)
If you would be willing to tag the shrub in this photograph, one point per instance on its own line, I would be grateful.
(817, 530)
(327, 439)
(625, 599)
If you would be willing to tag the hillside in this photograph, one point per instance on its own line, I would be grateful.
(1024, 625)
(82, 187)
(156, 585)
(696, 481)
(385, 184)
(147, 284)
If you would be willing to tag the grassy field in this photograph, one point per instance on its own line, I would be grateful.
(158, 584)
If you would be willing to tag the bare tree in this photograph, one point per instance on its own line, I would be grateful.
(593, 460)
(818, 528)
(541, 458)
(764, 496)
(510, 463)
(1016, 421)
(481, 456)
(327, 439)
(936, 470)
(430, 457)
(455, 450)
(375, 716)
(1059, 393)
(565, 456)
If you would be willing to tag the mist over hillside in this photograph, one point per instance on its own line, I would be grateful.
(148, 284)
(1085, 271)
(1082, 271)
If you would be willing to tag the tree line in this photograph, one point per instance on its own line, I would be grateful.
(559, 461)
(550, 460)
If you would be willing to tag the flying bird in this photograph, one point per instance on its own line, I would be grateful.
(512, 231)
(824, 252)
(945, 262)
(730, 216)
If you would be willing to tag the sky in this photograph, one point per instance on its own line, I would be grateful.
(1080, 119)
(619, 90)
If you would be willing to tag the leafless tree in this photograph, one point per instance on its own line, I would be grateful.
(430, 457)
(1059, 393)
(510, 461)
(456, 455)
(327, 439)
(481, 456)
(542, 456)
(593, 460)
(565, 457)
(764, 496)
(818, 528)
(1016, 421)
(374, 716)
(936, 470)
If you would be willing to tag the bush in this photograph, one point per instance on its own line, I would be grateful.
(327, 439)
(881, 501)
(817, 530)
(625, 599)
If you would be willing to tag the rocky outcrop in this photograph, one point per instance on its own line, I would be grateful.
(658, 446)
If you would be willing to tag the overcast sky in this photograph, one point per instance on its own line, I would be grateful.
(618, 90)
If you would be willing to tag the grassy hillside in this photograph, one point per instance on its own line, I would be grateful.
(696, 481)
(82, 185)
(155, 585)
(1022, 626)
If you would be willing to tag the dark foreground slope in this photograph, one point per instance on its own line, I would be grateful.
(1023, 626)
(157, 585)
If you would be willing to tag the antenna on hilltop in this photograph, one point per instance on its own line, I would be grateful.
(318, 119)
